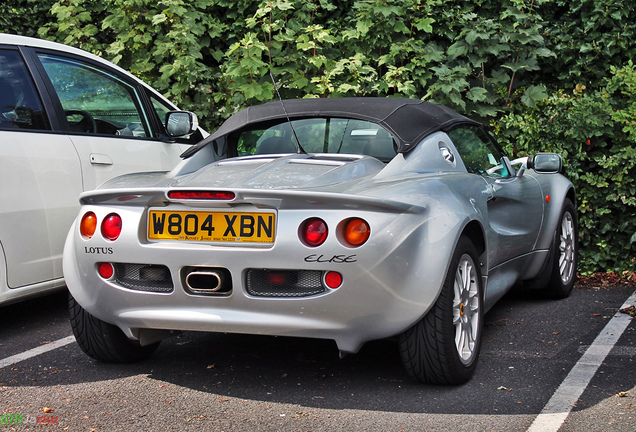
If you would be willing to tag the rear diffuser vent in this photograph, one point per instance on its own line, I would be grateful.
(284, 283)
(143, 277)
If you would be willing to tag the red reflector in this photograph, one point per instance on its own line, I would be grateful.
(111, 227)
(333, 279)
(106, 270)
(201, 195)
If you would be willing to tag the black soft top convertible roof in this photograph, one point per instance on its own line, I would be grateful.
(408, 120)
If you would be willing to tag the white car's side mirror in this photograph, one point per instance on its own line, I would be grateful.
(181, 123)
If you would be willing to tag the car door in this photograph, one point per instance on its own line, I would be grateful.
(40, 179)
(515, 204)
(108, 119)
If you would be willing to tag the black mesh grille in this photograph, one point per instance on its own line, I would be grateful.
(144, 277)
(284, 283)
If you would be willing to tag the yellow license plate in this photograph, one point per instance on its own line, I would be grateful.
(236, 227)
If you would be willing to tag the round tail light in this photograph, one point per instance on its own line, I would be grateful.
(356, 232)
(313, 232)
(111, 226)
(88, 225)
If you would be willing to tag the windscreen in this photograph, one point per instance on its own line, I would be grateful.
(320, 135)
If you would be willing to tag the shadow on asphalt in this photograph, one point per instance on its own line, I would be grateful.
(530, 344)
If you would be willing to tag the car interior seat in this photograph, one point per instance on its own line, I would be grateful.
(381, 146)
(274, 145)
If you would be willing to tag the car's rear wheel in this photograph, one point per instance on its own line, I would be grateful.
(443, 347)
(564, 254)
(102, 341)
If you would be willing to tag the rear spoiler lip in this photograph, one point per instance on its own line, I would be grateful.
(280, 199)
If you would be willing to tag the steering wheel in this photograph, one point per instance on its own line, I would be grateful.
(86, 124)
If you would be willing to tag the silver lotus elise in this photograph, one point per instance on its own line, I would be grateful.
(350, 219)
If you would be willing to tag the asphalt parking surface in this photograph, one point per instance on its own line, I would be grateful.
(223, 382)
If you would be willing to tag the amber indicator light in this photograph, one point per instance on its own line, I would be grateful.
(357, 232)
(88, 225)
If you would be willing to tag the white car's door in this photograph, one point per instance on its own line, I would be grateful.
(109, 123)
(40, 179)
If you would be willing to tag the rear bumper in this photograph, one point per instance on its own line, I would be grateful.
(387, 285)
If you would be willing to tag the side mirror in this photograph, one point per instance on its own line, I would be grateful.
(181, 123)
(546, 163)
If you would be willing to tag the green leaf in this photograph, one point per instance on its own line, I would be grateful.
(533, 94)
(363, 27)
(477, 94)
(425, 25)
(457, 49)
(457, 100)
(158, 19)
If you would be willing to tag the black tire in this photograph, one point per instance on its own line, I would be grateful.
(102, 341)
(564, 254)
(428, 349)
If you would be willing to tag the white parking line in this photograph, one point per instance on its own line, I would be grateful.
(36, 351)
(559, 406)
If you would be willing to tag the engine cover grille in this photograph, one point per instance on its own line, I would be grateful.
(284, 283)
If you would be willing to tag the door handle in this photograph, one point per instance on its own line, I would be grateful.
(100, 159)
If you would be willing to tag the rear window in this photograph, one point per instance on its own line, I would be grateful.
(319, 135)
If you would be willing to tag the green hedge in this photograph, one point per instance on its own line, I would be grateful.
(502, 62)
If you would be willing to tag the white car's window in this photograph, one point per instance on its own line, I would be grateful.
(94, 100)
(479, 154)
(320, 135)
(160, 108)
(20, 106)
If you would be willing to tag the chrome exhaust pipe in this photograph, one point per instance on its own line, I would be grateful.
(208, 281)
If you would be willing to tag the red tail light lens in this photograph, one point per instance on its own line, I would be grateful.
(111, 227)
(313, 232)
(88, 225)
(356, 232)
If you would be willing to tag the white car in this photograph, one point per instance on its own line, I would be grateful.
(69, 121)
